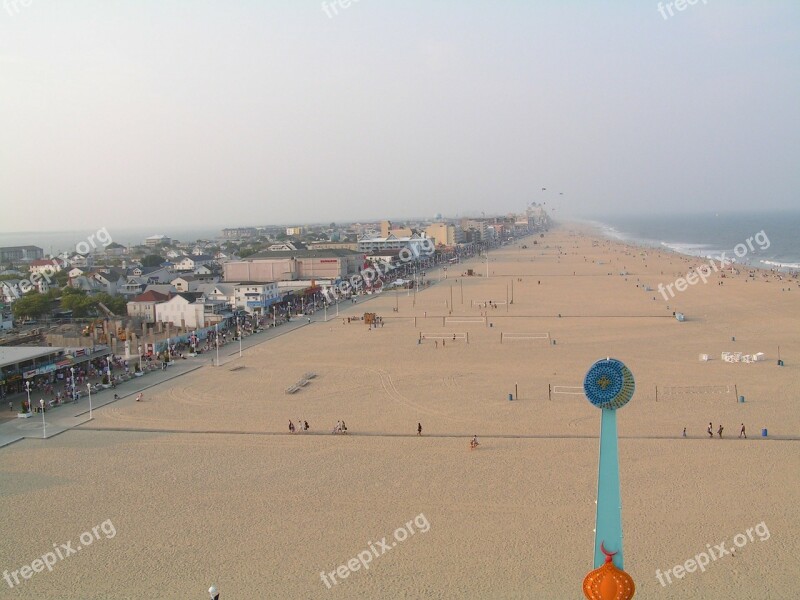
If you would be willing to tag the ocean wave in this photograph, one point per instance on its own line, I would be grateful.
(781, 265)
(690, 249)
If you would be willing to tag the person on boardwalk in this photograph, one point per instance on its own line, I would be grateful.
(719, 431)
(419, 428)
(742, 432)
(710, 430)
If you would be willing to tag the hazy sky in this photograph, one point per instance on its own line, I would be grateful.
(193, 113)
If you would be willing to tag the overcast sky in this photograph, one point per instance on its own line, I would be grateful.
(193, 113)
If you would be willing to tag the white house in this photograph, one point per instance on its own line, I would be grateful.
(191, 311)
(190, 263)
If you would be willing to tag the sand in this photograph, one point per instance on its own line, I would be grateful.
(204, 485)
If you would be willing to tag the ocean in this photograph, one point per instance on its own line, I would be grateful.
(775, 243)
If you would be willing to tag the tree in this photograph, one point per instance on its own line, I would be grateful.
(152, 260)
(81, 306)
(115, 304)
(32, 306)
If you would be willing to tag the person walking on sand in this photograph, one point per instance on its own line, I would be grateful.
(742, 432)
(719, 431)
(139, 397)
(291, 426)
(684, 432)
(306, 426)
(710, 430)
(419, 428)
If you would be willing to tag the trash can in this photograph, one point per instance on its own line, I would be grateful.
(741, 398)
(511, 397)
(764, 432)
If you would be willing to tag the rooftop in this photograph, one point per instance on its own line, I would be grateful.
(10, 355)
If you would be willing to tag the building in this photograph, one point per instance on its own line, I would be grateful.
(293, 265)
(143, 306)
(155, 240)
(191, 310)
(190, 283)
(443, 234)
(353, 246)
(191, 263)
(255, 297)
(415, 242)
(235, 233)
(45, 266)
(12, 254)
(298, 231)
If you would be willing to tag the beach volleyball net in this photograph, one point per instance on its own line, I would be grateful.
(666, 393)
(564, 392)
(523, 337)
(463, 321)
(453, 336)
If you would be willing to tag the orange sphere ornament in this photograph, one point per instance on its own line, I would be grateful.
(608, 582)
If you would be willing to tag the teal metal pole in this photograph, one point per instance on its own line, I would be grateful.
(608, 521)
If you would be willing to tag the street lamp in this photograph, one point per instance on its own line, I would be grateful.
(44, 426)
(108, 361)
(140, 358)
(89, 387)
(216, 339)
(72, 371)
(239, 325)
(28, 389)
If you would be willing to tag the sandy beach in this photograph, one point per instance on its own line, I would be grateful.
(205, 485)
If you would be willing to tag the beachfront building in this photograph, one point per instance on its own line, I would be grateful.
(40, 365)
(13, 254)
(143, 306)
(443, 234)
(415, 242)
(294, 231)
(192, 310)
(255, 297)
(293, 265)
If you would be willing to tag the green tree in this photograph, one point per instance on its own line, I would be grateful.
(152, 260)
(32, 305)
(81, 306)
(115, 304)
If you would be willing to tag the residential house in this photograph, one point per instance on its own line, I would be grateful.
(191, 310)
(143, 306)
(190, 263)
